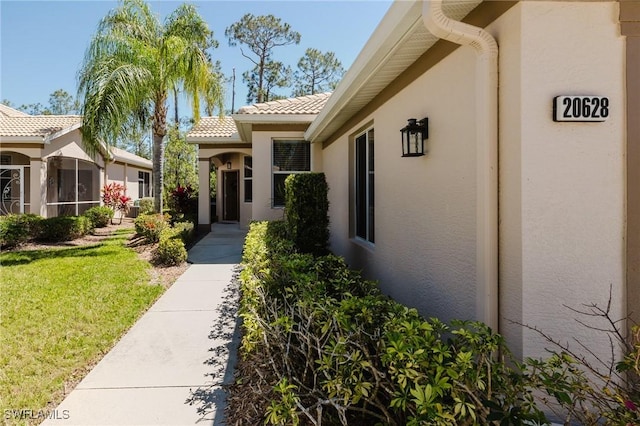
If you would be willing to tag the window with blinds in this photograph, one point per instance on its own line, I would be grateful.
(289, 156)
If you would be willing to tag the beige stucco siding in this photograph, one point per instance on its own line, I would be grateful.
(70, 145)
(566, 214)
(262, 180)
(424, 253)
(562, 185)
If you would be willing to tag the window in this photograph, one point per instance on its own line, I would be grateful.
(365, 187)
(248, 179)
(289, 157)
(73, 186)
(144, 189)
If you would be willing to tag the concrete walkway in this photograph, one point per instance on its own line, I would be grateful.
(167, 370)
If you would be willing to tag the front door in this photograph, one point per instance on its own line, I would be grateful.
(11, 189)
(231, 196)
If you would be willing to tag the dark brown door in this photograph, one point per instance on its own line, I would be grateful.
(231, 196)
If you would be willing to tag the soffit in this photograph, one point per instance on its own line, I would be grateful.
(398, 41)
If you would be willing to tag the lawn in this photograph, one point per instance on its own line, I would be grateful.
(61, 310)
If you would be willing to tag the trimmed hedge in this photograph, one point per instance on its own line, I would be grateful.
(17, 229)
(64, 228)
(343, 353)
(306, 211)
(99, 216)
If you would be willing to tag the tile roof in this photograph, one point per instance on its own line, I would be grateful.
(36, 125)
(214, 127)
(7, 111)
(310, 104)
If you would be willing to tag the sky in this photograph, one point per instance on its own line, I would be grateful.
(42, 43)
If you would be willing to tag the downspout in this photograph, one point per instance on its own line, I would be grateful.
(486, 47)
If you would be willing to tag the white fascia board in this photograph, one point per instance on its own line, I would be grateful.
(143, 163)
(399, 21)
(23, 139)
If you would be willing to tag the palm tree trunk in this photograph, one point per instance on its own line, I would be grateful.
(159, 132)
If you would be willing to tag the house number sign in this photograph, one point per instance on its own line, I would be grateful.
(580, 108)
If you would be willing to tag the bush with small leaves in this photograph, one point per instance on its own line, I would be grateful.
(99, 216)
(17, 229)
(64, 228)
(170, 252)
(150, 226)
(186, 231)
(346, 354)
(146, 205)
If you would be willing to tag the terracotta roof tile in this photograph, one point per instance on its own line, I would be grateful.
(214, 127)
(310, 104)
(36, 125)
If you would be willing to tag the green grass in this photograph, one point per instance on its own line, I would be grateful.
(61, 310)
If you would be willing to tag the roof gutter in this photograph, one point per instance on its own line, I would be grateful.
(486, 47)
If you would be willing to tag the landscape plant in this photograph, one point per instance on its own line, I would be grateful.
(306, 211)
(64, 228)
(581, 386)
(114, 196)
(17, 229)
(151, 226)
(184, 201)
(99, 216)
(146, 205)
(340, 352)
(171, 249)
(131, 66)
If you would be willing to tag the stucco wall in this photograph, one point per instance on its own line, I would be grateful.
(115, 174)
(70, 145)
(424, 253)
(562, 184)
(211, 153)
(262, 164)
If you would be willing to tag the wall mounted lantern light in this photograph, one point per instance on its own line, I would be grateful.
(413, 136)
(228, 165)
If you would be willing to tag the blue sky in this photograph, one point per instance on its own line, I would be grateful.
(42, 43)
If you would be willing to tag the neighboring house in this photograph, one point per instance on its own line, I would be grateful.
(457, 233)
(272, 132)
(45, 170)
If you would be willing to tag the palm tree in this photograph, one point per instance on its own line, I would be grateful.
(131, 66)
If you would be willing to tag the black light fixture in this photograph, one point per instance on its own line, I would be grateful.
(413, 136)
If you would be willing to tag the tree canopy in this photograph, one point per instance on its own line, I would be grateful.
(131, 66)
(317, 72)
(260, 35)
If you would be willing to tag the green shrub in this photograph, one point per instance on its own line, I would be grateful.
(186, 231)
(306, 211)
(150, 226)
(64, 228)
(99, 216)
(337, 346)
(146, 205)
(170, 251)
(17, 229)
